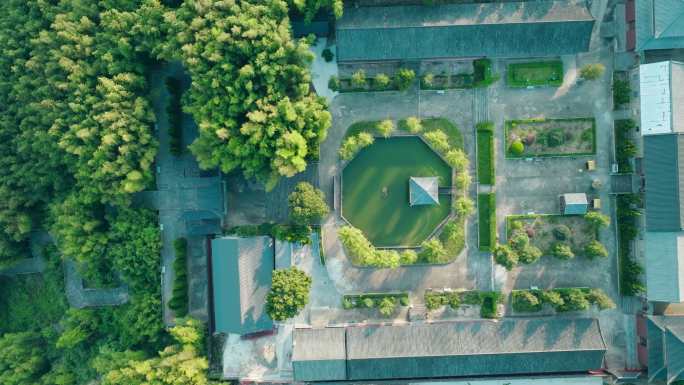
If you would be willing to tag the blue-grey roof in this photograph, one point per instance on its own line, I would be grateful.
(241, 278)
(510, 29)
(423, 191)
(574, 203)
(659, 24)
(455, 349)
(665, 348)
(665, 266)
(319, 354)
(664, 170)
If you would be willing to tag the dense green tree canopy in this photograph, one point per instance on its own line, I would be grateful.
(250, 87)
(289, 293)
(307, 204)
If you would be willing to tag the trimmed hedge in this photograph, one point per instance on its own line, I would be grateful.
(179, 298)
(485, 153)
(384, 302)
(487, 300)
(486, 208)
(561, 299)
(174, 111)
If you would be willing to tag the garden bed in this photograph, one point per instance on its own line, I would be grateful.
(630, 283)
(541, 73)
(560, 299)
(487, 300)
(622, 89)
(386, 303)
(545, 231)
(625, 147)
(485, 153)
(447, 82)
(550, 137)
(486, 208)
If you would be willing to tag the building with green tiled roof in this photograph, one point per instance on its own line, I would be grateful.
(448, 349)
(241, 272)
(501, 30)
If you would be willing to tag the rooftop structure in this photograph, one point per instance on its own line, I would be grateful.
(510, 29)
(423, 191)
(574, 204)
(241, 278)
(448, 349)
(659, 24)
(665, 348)
(661, 89)
(665, 266)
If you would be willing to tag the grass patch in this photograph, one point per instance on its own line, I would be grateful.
(541, 73)
(485, 153)
(375, 191)
(33, 301)
(486, 208)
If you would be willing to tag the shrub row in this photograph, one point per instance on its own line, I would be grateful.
(384, 302)
(486, 208)
(630, 270)
(281, 232)
(485, 153)
(621, 92)
(625, 147)
(562, 300)
(402, 80)
(487, 300)
(179, 298)
(174, 112)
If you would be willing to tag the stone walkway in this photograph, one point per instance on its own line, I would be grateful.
(35, 264)
(190, 204)
(80, 297)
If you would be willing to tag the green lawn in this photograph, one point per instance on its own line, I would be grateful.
(541, 73)
(486, 207)
(485, 157)
(389, 220)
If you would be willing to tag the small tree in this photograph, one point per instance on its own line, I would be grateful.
(457, 159)
(364, 139)
(408, 257)
(414, 125)
(358, 79)
(385, 128)
(562, 232)
(381, 81)
(519, 240)
(334, 83)
(464, 206)
(289, 293)
(463, 180)
(517, 147)
(387, 306)
(307, 204)
(348, 148)
(562, 250)
(438, 139)
(368, 302)
(595, 249)
(553, 298)
(574, 299)
(530, 254)
(592, 71)
(433, 251)
(428, 80)
(327, 55)
(601, 299)
(404, 78)
(525, 301)
(505, 256)
(597, 220)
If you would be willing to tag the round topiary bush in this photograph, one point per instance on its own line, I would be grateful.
(327, 55)
(517, 147)
(562, 232)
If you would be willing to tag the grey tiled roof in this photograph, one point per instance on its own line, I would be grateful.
(319, 354)
(241, 278)
(664, 169)
(457, 349)
(659, 24)
(665, 266)
(665, 348)
(511, 29)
